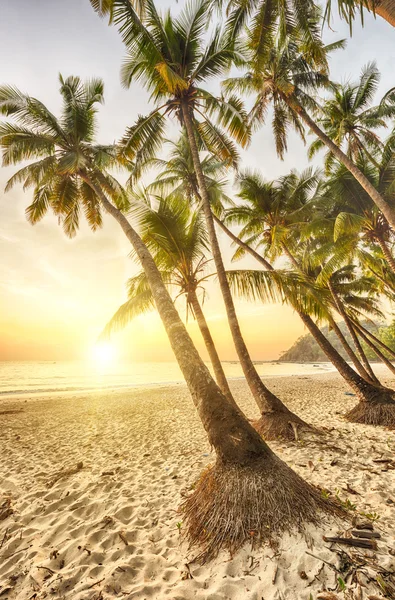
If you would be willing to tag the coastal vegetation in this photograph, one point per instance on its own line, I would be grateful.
(321, 239)
(306, 349)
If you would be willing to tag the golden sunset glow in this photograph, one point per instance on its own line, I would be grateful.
(104, 354)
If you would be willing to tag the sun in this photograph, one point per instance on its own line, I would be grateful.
(104, 354)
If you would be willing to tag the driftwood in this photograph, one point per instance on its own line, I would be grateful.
(366, 534)
(371, 544)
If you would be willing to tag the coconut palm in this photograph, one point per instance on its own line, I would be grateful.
(274, 233)
(173, 60)
(68, 174)
(175, 235)
(288, 82)
(349, 119)
(289, 19)
(356, 215)
(350, 9)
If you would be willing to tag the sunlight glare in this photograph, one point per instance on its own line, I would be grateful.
(104, 354)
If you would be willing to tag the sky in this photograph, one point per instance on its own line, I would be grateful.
(57, 294)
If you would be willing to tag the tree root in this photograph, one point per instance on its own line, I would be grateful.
(232, 505)
(373, 413)
(281, 425)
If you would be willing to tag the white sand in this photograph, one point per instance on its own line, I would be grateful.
(110, 529)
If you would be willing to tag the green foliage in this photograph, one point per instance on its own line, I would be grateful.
(66, 169)
(306, 349)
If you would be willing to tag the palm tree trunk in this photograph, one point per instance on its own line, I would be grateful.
(351, 331)
(387, 253)
(386, 9)
(377, 198)
(210, 346)
(377, 340)
(242, 244)
(249, 486)
(376, 406)
(353, 357)
(376, 350)
(349, 351)
(218, 416)
(276, 414)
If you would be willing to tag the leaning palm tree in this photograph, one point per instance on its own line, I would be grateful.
(349, 119)
(356, 215)
(175, 235)
(288, 82)
(68, 174)
(170, 57)
(266, 227)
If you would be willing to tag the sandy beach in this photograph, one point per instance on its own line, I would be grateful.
(90, 486)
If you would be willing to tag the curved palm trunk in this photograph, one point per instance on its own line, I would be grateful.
(351, 354)
(276, 419)
(349, 351)
(377, 198)
(376, 406)
(387, 253)
(377, 351)
(210, 346)
(354, 337)
(231, 498)
(376, 340)
(386, 10)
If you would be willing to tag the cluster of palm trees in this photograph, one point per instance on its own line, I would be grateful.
(322, 241)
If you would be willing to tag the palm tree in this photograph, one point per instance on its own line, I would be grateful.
(376, 404)
(287, 81)
(349, 9)
(172, 61)
(356, 215)
(68, 173)
(176, 237)
(349, 119)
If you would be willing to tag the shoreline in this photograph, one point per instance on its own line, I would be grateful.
(115, 388)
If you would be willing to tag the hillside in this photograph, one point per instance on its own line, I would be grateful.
(306, 349)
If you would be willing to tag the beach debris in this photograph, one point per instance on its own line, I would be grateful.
(351, 490)
(122, 535)
(275, 575)
(187, 573)
(95, 583)
(5, 537)
(303, 575)
(6, 509)
(107, 473)
(107, 520)
(327, 596)
(360, 533)
(11, 411)
(370, 544)
(54, 555)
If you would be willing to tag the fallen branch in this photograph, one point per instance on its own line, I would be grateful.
(324, 561)
(366, 534)
(371, 544)
(96, 583)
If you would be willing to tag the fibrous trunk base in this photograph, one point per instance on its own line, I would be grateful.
(373, 413)
(233, 505)
(277, 425)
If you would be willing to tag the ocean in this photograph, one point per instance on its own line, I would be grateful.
(48, 377)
